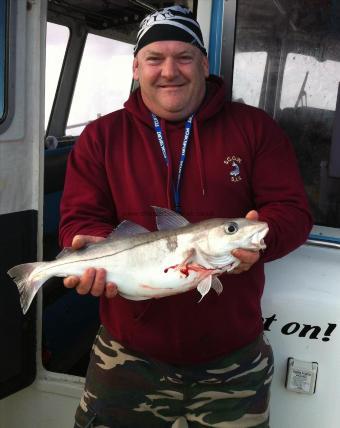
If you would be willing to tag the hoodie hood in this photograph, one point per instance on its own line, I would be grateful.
(213, 102)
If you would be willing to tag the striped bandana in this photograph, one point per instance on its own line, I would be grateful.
(170, 23)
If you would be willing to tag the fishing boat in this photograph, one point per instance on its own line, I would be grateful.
(63, 63)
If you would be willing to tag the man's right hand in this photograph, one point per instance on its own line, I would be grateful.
(93, 280)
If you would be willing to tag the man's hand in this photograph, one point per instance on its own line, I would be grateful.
(247, 258)
(93, 280)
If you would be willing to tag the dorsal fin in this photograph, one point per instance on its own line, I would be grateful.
(127, 228)
(167, 219)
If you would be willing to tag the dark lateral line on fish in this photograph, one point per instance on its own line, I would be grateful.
(107, 255)
(163, 234)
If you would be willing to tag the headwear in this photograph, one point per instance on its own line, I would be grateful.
(170, 23)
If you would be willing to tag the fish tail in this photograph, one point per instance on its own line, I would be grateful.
(27, 285)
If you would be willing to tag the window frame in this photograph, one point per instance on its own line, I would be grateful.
(3, 47)
(9, 66)
(68, 27)
(83, 123)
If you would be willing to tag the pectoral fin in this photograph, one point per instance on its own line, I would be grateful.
(217, 285)
(204, 286)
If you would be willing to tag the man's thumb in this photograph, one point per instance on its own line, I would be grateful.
(78, 242)
(252, 215)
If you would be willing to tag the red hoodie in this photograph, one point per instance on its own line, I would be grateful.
(237, 160)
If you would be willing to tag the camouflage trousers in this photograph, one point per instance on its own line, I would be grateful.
(126, 390)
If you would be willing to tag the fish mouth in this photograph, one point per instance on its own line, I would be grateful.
(257, 240)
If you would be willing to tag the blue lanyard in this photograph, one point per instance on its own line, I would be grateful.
(159, 133)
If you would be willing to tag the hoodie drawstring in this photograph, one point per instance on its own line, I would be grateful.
(199, 156)
(169, 167)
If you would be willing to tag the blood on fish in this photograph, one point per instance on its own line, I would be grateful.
(155, 288)
(184, 266)
(185, 269)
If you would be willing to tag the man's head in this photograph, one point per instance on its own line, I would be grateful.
(170, 63)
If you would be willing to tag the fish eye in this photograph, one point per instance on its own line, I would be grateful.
(231, 228)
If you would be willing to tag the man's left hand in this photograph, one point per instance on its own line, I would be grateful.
(247, 258)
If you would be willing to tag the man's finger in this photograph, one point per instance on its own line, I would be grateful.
(71, 281)
(86, 281)
(252, 215)
(246, 256)
(111, 290)
(79, 241)
(99, 282)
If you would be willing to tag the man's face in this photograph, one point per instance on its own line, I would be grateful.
(172, 76)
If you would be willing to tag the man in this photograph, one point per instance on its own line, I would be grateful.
(156, 360)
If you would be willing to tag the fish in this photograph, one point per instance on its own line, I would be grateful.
(178, 257)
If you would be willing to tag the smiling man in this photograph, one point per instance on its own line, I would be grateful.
(178, 144)
(172, 78)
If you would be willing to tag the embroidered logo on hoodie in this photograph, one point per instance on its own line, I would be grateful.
(234, 163)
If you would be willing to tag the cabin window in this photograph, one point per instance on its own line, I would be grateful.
(57, 37)
(308, 82)
(247, 88)
(104, 81)
(3, 58)
(300, 87)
